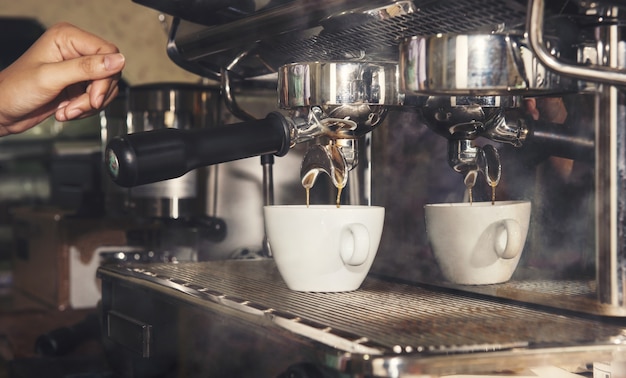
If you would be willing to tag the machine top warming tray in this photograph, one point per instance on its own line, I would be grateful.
(428, 329)
(325, 30)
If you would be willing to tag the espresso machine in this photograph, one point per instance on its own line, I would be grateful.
(405, 103)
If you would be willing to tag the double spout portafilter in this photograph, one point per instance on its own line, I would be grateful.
(500, 119)
(472, 86)
(332, 103)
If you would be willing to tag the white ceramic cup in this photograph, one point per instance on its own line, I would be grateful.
(479, 243)
(323, 248)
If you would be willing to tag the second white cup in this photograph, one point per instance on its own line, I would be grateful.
(479, 243)
(322, 248)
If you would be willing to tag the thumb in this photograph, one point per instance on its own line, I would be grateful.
(86, 68)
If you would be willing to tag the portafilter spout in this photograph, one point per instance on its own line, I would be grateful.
(334, 152)
(464, 119)
(326, 159)
(484, 159)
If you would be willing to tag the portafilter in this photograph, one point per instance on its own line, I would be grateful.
(333, 103)
(473, 85)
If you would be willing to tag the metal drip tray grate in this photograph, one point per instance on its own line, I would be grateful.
(566, 288)
(381, 318)
(572, 295)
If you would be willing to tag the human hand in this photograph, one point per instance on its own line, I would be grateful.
(67, 72)
(551, 109)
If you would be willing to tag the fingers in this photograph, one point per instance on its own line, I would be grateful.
(84, 69)
(77, 56)
(102, 72)
(552, 109)
(67, 72)
(531, 108)
(82, 106)
(74, 42)
(100, 90)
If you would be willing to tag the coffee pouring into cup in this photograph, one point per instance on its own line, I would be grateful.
(471, 86)
(331, 105)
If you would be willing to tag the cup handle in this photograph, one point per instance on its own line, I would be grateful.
(354, 244)
(508, 240)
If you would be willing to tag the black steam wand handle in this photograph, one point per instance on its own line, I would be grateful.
(151, 156)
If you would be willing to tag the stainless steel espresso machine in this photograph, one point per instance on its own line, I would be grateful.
(404, 103)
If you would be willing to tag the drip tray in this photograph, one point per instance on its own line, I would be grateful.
(383, 327)
(573, 295)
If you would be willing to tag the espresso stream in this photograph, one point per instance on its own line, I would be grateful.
(308, 185)
(308, 196)
(340, 189)
(309, 180)
(493, 193)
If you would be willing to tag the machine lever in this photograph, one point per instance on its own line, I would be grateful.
(151, 156)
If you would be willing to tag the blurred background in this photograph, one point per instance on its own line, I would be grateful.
(118, 21)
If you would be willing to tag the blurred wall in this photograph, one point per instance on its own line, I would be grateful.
(135, 29)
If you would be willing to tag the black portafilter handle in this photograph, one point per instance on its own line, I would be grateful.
(151, 156)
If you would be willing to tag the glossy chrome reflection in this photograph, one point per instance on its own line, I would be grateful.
(337, 83)
(477, 64)
(355, 90)
(336, 103)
